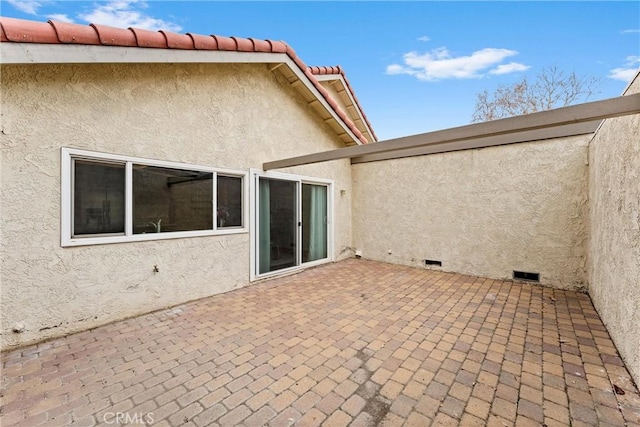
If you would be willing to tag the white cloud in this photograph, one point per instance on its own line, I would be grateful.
(629, 31)
(60, 17)
(27, 6)
(627, 72)
(424, 38)
(127, 13)
(511, 67)
(440, 64)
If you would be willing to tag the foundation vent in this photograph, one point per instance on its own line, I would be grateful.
(526, 275)
(432, 262)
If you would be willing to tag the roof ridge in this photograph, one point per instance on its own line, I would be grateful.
(57, 32)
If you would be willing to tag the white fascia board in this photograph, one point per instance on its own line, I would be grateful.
(325, 77)
(35, 53)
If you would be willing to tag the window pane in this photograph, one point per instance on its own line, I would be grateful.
(167, 200)
(314, 222)
(98, 198)
(229, 192)
(278, 223)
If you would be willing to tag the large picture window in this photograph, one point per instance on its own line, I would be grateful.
(166, 200)
(110, 199)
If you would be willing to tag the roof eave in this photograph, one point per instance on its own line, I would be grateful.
(338, 79)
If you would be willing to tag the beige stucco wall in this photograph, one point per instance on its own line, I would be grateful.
(228, 116)
(614, 229)
(482, 212)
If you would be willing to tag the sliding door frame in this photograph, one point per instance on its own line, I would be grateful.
(254, 231)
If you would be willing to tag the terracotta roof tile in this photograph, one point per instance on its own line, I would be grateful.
(244, 45)
(146, 38)
(70, 33)
(225, 43)
(110, 36)
(326, 70)
(278, 46)
(20, 31)
(201, 42)
(178, 41)
(54, 32)
(292, 54)
(261, 45)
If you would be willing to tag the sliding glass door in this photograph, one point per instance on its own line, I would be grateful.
(278, 224)
(292, 219)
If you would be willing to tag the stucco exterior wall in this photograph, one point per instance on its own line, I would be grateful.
(482, 212)
(614, 229)
(227, 116)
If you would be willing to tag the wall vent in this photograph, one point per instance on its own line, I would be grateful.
(525, 275)
(432, 262)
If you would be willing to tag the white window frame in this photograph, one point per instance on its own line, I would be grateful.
(255, 175)
(67, 179)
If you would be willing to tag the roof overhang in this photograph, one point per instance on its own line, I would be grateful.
(341, 86)
(41, 53)
(565, 121)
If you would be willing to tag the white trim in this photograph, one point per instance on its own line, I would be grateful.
(253, 218)
(66, 219)
(128, 199)
(41, 53)
(256, 174)
(327, 77)
(67, 239)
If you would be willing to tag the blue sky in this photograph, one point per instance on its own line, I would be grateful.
(415, 66)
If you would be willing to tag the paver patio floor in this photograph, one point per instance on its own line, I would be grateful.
(356, 342)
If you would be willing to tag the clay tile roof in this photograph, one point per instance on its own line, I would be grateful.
(70, 33)
(111, 36)
(244, 45)
(146, 38)
(225, 43)
(178, 41)
(19, 31)
(261, 45)
(203, 42)
(326, 70)
(278, 46)
(54, 32)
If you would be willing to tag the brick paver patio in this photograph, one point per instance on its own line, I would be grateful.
(355, 342)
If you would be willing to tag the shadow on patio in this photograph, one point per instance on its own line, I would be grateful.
(353, 342)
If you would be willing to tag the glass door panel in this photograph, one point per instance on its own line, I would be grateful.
(277, 224)
(314, 222)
